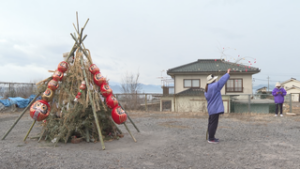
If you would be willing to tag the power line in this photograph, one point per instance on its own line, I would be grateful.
(264, 80)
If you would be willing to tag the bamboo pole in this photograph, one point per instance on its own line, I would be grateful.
(93, 106)
(77, 20)
(29, 130)
(129, 132)
(77, 45)
(114, 124)
(20, 116)
(129, 118)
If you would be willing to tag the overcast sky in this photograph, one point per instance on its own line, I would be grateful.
(150, 36)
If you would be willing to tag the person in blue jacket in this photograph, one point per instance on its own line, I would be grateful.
(278, 93)
(215, 105)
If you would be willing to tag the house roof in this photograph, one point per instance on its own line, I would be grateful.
(290, 80)
(192, 92)
(262, 88)
(205, 66)
(293, 87)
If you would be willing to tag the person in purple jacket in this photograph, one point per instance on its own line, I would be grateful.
(278, 93)
(215, 105)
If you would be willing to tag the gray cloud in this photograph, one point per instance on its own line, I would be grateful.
(151, 35)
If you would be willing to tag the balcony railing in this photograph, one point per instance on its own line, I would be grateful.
(168, 90)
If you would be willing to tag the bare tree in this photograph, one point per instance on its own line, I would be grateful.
(130, 85)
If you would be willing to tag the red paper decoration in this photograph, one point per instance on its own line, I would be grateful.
(111, 102)
(63, 66)
(94, 69)
(118, 114)
(78, 96)
(39, 110)
(53, 84)
(99, 79)
(82, 86)
(105, 90)
(58, 75)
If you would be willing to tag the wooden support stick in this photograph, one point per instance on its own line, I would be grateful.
(129, 118)
(93, 106)
(20, 116)
(29, 130)
(129, 132)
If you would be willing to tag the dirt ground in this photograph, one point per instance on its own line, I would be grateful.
(165, 141)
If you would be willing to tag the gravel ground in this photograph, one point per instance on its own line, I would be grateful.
(165, 141)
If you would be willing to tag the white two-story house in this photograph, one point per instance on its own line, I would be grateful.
(190, 81)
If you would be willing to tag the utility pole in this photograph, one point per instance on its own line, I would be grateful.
(268, 83)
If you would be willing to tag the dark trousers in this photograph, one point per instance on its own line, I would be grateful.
(278, 106)
(213, 121)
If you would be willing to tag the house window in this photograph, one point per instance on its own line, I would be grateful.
(188, 83)
(234, 85)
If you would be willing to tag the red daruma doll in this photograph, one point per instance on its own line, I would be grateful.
(105, 90)
(62, 66)
(94, 69)
(57, 75)
(39, 110)
(118, 114)
(111, 102)
(99, 79)
(53, 85)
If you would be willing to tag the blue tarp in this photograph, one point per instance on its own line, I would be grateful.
(19, 101)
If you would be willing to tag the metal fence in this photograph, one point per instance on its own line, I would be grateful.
(13, 89)
(261, 103)
(245, 103)
(139, 101)
(239, 103)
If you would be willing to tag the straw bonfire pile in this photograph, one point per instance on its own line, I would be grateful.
(74, 121)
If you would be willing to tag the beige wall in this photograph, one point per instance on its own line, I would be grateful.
(247, 82)
(193, 103)
(295, 97)
(190, 104)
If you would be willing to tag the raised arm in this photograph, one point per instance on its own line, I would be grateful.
(223, 80)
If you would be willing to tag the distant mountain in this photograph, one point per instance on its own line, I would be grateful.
(144, 88)
(271, 87)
